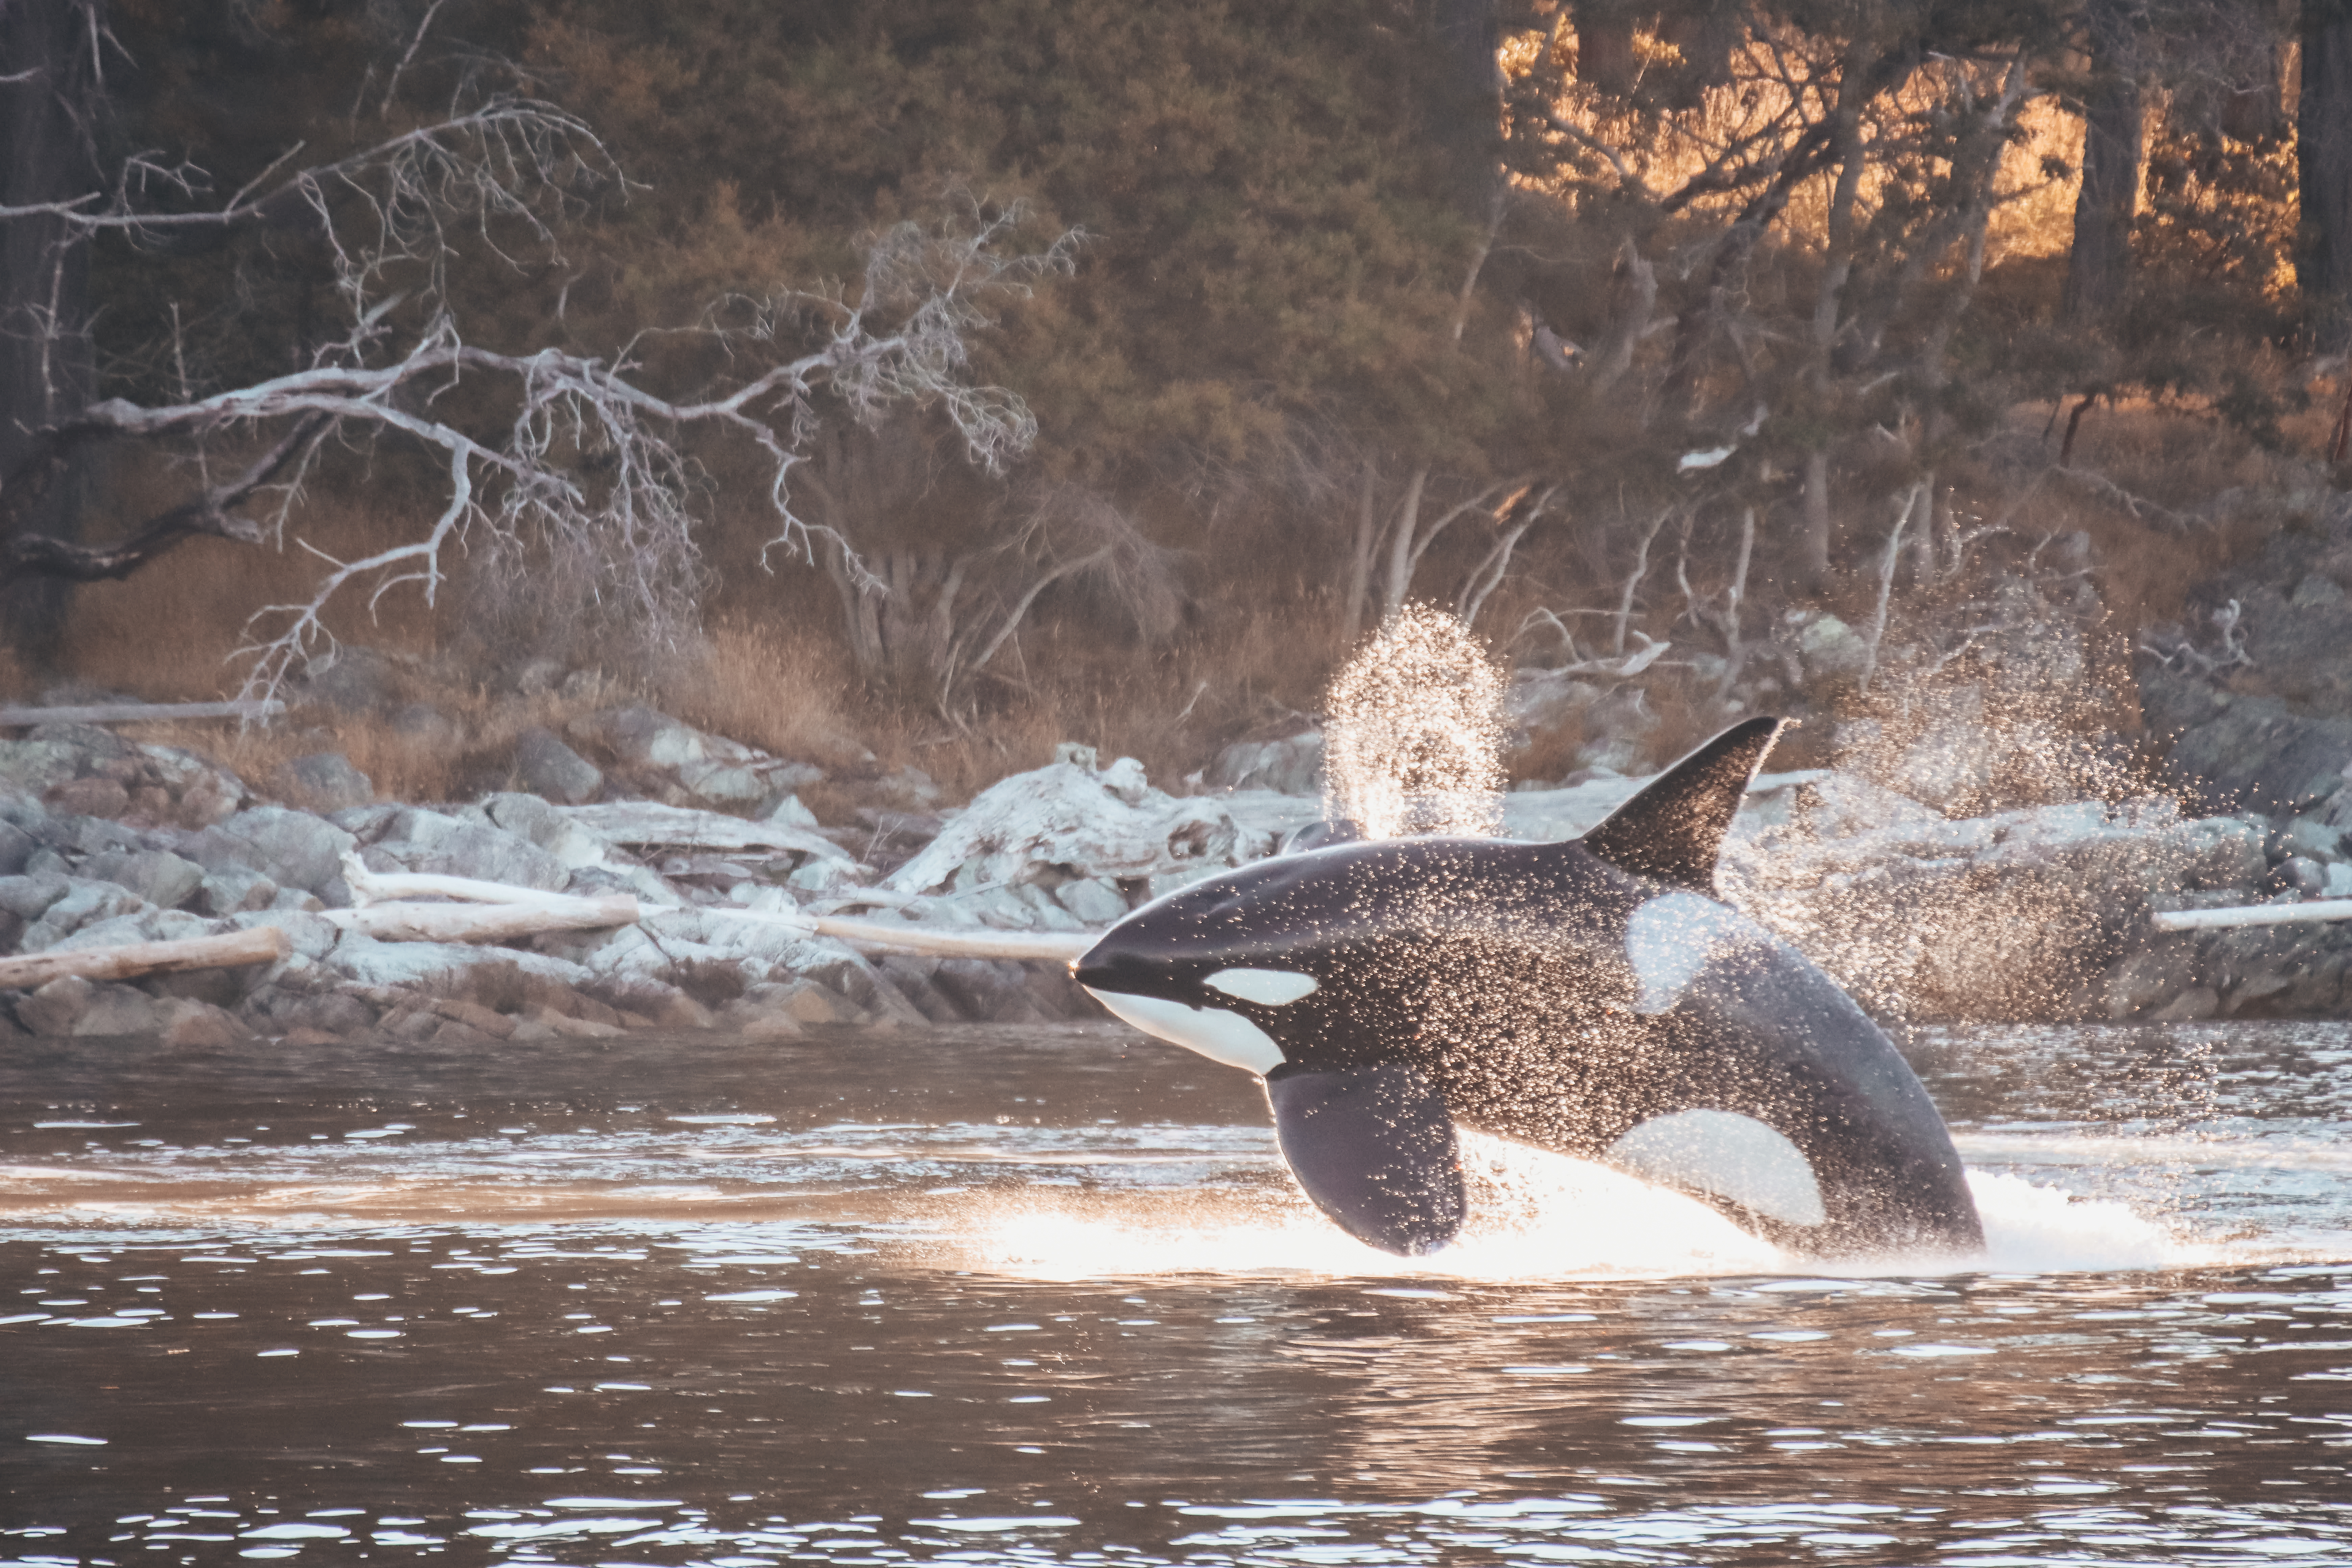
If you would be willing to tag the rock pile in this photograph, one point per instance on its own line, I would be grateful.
(2030, 913)
(179, 848)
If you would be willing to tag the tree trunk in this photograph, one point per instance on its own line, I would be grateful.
(1604, 46)
(1468, 101)
(1359, 555)
(2324, 159)
(1813, 540)
(46, 364)
(1402, 543)
(2098, 267)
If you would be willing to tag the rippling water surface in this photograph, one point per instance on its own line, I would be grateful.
(1048, 1296)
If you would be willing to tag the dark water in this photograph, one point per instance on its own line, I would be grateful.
(1033, 1297)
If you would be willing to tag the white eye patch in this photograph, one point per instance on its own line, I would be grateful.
(1268, 987)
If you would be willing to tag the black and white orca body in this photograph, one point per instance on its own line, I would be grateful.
(1592, 997)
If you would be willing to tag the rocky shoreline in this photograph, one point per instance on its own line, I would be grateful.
(2039, 913)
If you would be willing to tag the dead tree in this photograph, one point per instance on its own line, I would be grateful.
(592, 482)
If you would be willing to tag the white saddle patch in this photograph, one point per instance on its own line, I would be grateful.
(1671, 939)
(1216, 1034)
(1730, 1155)
(1271, 988)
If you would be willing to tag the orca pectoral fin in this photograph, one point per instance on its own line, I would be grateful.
(1673, 829)
(1374, 1149)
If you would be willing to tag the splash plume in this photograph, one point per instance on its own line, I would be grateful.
(1415, 739)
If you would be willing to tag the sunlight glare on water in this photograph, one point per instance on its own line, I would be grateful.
(1539, 1215)
(1042, 1297)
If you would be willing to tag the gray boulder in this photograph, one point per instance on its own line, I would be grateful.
(34, 767)
(85, 903)
(2240, 751)
(1066, 820)
(16, 846)
(1291, 766)
(325, 780)
(233, 890)
(433, 844)
(146, 923)
(28, 896)
(573, 845)
(443, 968)
(1095, 900)
(687, 766)
(119, 1010)
(545, 765)
(987, 990)
(311, 935)
(158, 876)
(52, 1009)
(292, 849)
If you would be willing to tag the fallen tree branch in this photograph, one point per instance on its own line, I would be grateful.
(137, 713)
(2239, 915)
(402, 922)
(39, 554)
(262, 944)
(1026, 946)
(521, 911)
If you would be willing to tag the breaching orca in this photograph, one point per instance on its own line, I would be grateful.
(1593, 998)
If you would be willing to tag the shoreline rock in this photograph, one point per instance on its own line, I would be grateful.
(2039, 913)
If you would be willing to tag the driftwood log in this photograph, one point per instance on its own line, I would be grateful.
(402, 922)
(389, 909)
(138, 713)
(262, 944)
(2253, 915)
(518, 908)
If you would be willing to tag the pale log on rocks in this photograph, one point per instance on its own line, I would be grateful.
(2253, 915)
(261, 944)
(523, 911)
(138, 713)
(643, 823)
(377, 887)
(896, 937)
(484, 921)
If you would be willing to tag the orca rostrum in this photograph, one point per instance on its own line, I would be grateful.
(1593, 998)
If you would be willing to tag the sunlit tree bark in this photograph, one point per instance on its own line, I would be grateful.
(2324, 153)
(2098, 267)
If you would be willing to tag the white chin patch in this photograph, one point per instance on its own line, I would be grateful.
(1730, 1155)
(1220, 1035)
(1671, 938)
(1269, 987)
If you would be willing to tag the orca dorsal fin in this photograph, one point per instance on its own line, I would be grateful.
(1672, 830)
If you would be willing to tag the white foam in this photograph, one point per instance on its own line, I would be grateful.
(1538, 1215)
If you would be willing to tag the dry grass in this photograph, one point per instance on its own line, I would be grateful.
(782, 690)
(1263, 638)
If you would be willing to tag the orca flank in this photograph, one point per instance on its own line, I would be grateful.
(1592, 997)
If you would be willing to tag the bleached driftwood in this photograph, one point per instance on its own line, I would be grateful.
(262, 944)
(647, 824)
(1110, 821)
(1036, 947)
(401, 922)
(138, 713)
(2253, 915)
(521, 911)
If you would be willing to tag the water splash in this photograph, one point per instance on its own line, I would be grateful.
(1414, 742)
(1536, 1216)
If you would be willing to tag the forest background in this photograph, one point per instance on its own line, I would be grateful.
(932, 383)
